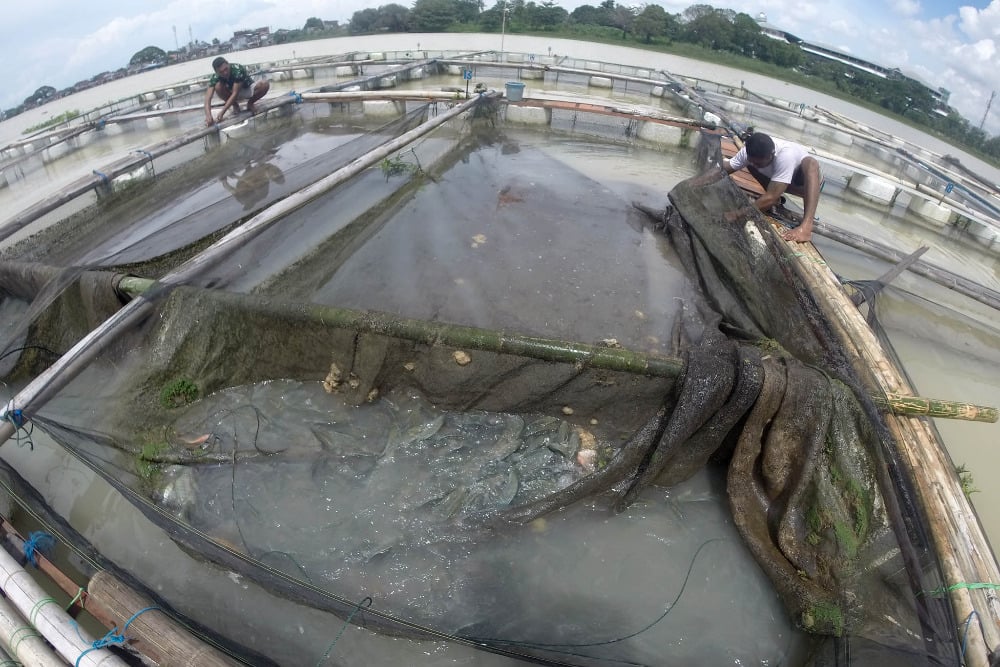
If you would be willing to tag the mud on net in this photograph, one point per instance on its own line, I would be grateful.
(440, 455)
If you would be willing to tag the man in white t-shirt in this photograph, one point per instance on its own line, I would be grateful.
(781, 166)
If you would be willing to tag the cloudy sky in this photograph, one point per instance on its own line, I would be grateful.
(60, 42)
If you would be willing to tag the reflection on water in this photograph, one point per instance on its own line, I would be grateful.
(512, 196)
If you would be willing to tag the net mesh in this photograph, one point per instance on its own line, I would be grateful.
(316, 449)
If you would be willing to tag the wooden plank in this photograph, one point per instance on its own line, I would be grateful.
(958, 539)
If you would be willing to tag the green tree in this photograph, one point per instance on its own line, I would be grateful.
(150, 54)
(651, 22)
(364, 21)
(313, 23)
(394, 18)
(432, 15)
(40, 96)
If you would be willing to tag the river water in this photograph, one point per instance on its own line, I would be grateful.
(949, 344)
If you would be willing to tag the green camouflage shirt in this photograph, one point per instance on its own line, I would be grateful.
(237, 73)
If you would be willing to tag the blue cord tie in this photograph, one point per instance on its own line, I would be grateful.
(104, 177)
(143, 152)
(101, 123)
(113, 637)
(297, 96)
(38, 542)
(16, 418)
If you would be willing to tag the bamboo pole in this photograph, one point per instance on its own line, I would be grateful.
(546, 349)
(357, 95)
(48, 383)
(113, 170)
(162, 639)
(959, 542)
(51, 621)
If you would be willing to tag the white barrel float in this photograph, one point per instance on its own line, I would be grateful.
(344, 70)
(388, 81)
(417, 73)
(657, 91)
(794, 122)
(659, 133)
(600, 82)
(533, 74)
(735, 107)
(982, 233)
(515, 57)
(376, 56)
(156, 122)
(148, 97)
(872, 188)
(45, 614)
(455, 70)
(238, 131)
(931, 211)
(55, 151)
(527, 115)
(279, 76)
(301, 74)
(382, 108)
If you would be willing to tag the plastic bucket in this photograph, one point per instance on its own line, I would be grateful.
(515, 91)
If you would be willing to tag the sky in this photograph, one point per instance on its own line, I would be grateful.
(943, 43)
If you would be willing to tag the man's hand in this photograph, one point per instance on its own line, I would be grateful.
(209, 120)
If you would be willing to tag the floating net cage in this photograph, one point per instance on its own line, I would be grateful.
(460, 395)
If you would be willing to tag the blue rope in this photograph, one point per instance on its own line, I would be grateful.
(38, 542)
(16, 417)
(965, 633)
(297, 96)
(113, 637)
(365, 603)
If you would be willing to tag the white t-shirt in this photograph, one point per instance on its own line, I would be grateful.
(787, 158)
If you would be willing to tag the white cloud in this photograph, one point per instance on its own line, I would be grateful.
(905, 8)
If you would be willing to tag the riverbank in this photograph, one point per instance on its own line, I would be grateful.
(12, 129)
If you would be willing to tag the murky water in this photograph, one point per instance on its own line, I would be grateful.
(947, 343)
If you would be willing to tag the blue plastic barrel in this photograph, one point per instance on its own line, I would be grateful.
(515, 91)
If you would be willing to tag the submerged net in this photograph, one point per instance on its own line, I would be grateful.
(332, 454)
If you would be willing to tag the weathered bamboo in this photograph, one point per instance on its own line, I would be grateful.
(117, 168)
(39, 390)
(162, 639)
(383, 95)
(548, 349)
(959, 541)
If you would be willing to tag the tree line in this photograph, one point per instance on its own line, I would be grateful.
(724, 31)
(732, 35)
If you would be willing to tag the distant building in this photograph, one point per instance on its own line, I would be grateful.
(250, 39)
(825, 52)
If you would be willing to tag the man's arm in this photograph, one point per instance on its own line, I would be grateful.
(230, 101)
(771, 196)
(208, 104)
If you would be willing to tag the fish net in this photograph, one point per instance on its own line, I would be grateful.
(369, 413)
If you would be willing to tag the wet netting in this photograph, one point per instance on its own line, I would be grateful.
(584, 435)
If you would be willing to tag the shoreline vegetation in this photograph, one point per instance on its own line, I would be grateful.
(701, 32)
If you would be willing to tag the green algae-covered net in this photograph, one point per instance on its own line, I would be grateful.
(446, 389)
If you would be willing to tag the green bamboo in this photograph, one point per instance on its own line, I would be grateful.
(933, 407)
(549, 349)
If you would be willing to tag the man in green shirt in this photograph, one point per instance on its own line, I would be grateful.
(232, 82)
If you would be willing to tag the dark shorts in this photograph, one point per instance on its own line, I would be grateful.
(798, 178)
